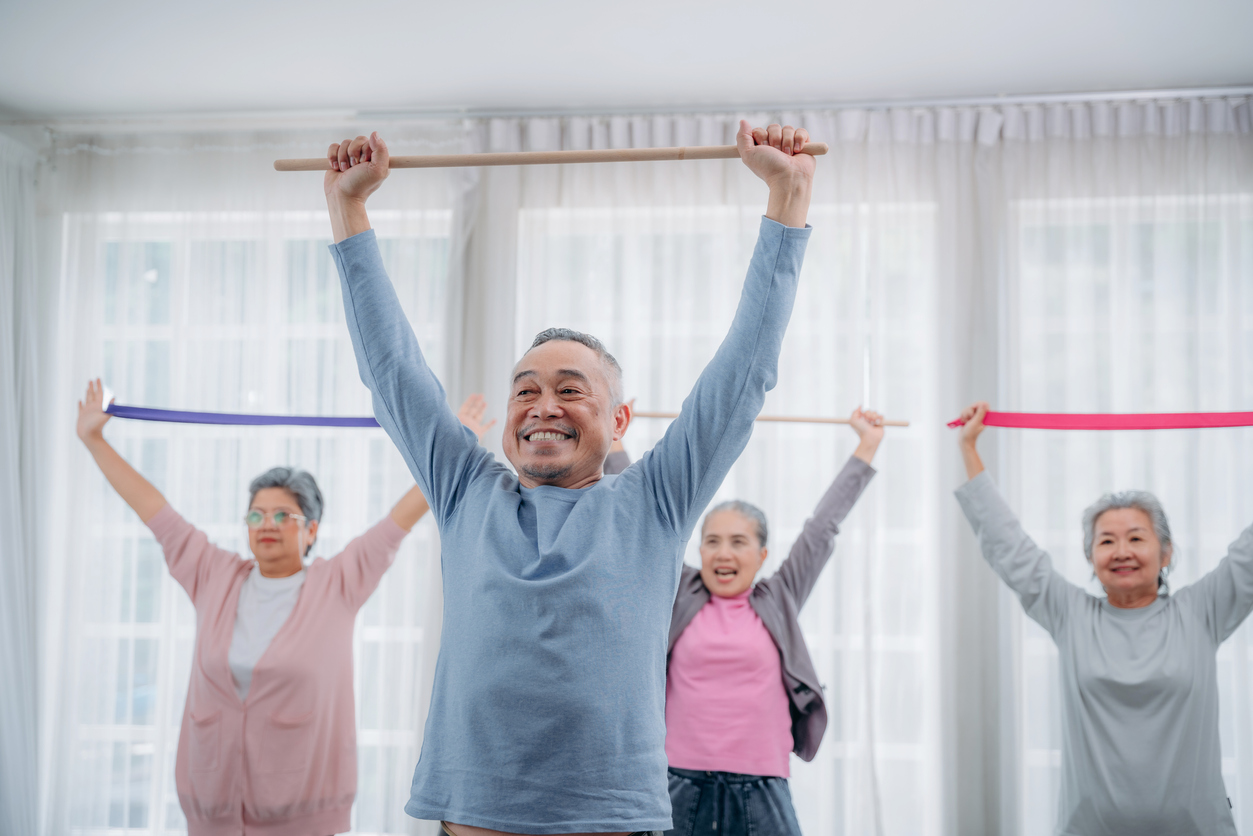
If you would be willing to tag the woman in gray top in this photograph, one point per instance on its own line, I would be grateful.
(1140, 748)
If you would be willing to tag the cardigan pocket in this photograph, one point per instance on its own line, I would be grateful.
(288, 744)
(203, 750)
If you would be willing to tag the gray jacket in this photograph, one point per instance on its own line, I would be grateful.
(778, 599)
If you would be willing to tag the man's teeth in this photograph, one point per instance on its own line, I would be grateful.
(546, 437)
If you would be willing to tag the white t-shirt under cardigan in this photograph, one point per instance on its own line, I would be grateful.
(1140, 748)
(264, 604)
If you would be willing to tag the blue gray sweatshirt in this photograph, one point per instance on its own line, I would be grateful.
(548, 708)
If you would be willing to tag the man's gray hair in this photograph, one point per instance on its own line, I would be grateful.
(611, 363)
(1141, 501)
(747, 510)
(301, 485)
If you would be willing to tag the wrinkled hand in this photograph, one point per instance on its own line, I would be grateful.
(471, 414)
(91, 414)
(868, 425)
(972, 416)
(358, 167)
(772, 152)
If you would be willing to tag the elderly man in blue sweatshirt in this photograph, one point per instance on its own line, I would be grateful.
(547, 714)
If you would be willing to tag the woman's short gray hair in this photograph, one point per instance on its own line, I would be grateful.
(747, 510)
(1141, 501)
(299, 483)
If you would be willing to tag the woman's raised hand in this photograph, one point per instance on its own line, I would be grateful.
(135, 489)
(471, 414)
(972, 417)
(972, 421)
(358, 167)
(867, 423)
(91, 414)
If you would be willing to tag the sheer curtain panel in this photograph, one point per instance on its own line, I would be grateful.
(913, 301)
(20, 438)
(1127, 287)
(196, 277)
(650, 258)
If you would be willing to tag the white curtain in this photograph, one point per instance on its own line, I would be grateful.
(20, 358)
(1127, 287)
(195, 277)
(651, 258)
(1090, 257)
(914, 300)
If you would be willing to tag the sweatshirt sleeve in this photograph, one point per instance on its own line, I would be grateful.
(813, 548)
(409, 402)
(360, 566)
(1225, 594)
(193, 561)
(686, 467)
(1022, 565)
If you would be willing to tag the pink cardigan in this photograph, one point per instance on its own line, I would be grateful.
(284, 761)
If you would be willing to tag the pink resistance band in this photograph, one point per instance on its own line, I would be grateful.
(1106, 421)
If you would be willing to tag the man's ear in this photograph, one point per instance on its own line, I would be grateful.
(621, 420)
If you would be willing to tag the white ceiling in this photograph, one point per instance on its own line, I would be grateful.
(77, 58)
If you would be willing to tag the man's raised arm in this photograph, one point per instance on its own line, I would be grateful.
(409, 401)
(689, 463)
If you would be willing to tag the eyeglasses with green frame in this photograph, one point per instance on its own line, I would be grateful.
(256, 519)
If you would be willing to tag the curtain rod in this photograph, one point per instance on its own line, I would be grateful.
(318, 119)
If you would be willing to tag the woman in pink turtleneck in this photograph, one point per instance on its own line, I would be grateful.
(741, 691)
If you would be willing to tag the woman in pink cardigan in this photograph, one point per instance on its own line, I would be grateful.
(268, 742)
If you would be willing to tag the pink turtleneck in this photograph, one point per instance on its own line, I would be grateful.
(726, 706)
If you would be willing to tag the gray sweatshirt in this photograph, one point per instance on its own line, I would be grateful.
(1140, 748)
(548, 707)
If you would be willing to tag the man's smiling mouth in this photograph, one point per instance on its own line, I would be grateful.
(546, 435)
(549, 433)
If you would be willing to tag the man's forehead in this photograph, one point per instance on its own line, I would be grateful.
(559, 358)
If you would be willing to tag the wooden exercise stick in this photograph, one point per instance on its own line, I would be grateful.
(603, 155)
(790, 419)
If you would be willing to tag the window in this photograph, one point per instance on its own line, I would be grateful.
(237, 312)
(1128, 305)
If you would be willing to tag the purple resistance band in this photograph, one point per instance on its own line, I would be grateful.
(177, 416)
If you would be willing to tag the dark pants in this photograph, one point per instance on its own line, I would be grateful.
(729, 804)
(443, 826)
